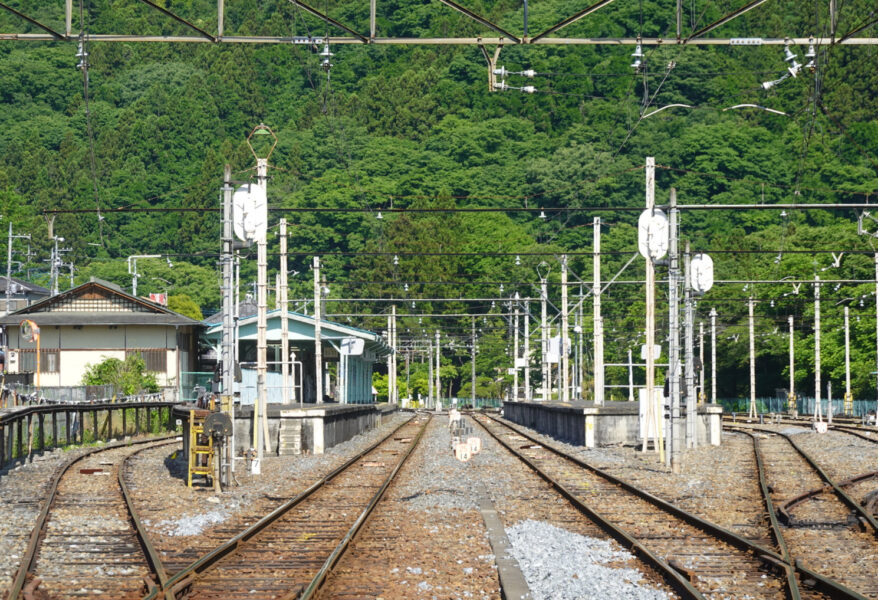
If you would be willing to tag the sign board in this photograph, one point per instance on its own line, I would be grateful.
(656, 351)
(701, 273)
(653, 234)
(553, 352)
(647, 426)
(250, 212)
(352, 346)
(159, 298)
(520, 362)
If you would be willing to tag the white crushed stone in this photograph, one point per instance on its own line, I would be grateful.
(794, 430)
(561, 565)
(193, 525)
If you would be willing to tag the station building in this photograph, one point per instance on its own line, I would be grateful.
(94, 321)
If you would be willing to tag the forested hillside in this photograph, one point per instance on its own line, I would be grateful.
(418, 127)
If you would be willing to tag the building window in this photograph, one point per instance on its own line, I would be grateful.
(49, 360)
(156, 359)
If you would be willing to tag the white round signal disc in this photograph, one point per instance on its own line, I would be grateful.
(653, 234)
(242, 205)
(701, 273)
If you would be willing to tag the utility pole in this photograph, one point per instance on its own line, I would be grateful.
(752, 412)
(515, 353)
(527, 391)
(676, 426)
(318, 343)
(565, 357)
(431, 398)
(284, 321)
(598, 325)
(9, 253)
(848, 398)
(438, 379)
(228, 353)
(473, 364)
(577, 378)
(876, 336)
(262, 438)
(713, 355)
(544, 337)
(691, 405)
(701, 393)
(818, 410)
(792, 408)
(394, 396)
(651, 417)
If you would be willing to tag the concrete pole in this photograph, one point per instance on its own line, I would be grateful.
(431, 398)
(395, 338)
(578, 368)
(675, 430)
(390, 360)
(438, 378)
(651, 416)
(284, 322)
(228, 346)
(691, 401)
(544, 333)
(318, 342)
(848, 399)
(752, 412)
(701, 393)
(713, 355)
(792, 395)
(473, 364)
(598, 325)
(261, 343)
(564, 364)
(630, 377)
(528, 396)
(515, 353)
(818, 410)
(876, 336)
(9, 269)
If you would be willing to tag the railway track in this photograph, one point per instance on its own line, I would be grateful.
(714, 562)
(289, 552)
(819, 522)
(88, 540)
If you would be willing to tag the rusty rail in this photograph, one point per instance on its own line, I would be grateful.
(28, 561)
(178, 584)
(830, 587)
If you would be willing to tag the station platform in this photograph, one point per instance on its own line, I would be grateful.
(308, 428)
(610, 424)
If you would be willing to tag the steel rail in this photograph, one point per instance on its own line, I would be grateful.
(676, 579)
(771, 557)
(149, 551)
(28, 560)
(344, 544)
(792, 584)
(184, 578)
(851, 503)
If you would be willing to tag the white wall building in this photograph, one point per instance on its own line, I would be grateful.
(94, 321)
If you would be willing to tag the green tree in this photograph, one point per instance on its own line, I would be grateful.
(186, 306)
(127, 377)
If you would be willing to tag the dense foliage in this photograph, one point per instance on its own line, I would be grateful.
(127, 376)
(417, 127)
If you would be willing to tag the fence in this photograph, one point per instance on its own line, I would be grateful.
(31, 429)
(19, 393)
(805, 406)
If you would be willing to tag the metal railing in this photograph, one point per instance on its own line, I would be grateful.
(32, 429)
(804, 405)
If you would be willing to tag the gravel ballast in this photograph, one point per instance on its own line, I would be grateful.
(560, 565)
